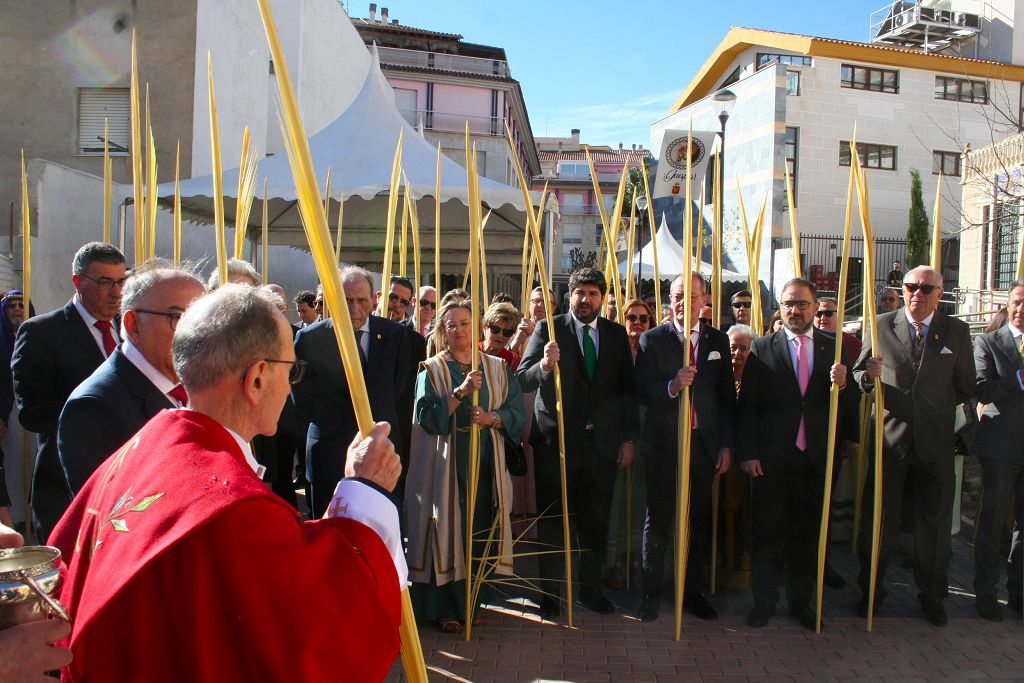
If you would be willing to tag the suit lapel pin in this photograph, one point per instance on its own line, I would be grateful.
(378, 336)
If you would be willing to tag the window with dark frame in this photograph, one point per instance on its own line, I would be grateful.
(882, 157)
(947, 163)
(792, 147)
(732, 78)
(986, 216)
(793, 83)
(766, 58)
(961, 90)
(870, 78)
(1006, 243)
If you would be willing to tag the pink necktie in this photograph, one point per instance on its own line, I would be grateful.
(803, 377)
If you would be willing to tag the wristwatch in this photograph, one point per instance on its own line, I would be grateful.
(459, 396)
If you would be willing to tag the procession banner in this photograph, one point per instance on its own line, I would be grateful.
(672, 162)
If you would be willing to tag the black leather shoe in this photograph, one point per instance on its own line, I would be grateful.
(760, 615)
(549, 608)
(934, 612)
(807, 617)
(649, 608)
(699, 605)
(862, 604)
(832, 578)
(988, 608)
(595, 601)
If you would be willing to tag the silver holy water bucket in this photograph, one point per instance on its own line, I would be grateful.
(29, 577)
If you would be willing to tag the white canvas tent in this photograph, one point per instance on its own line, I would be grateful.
(670, 259)
(359, 148)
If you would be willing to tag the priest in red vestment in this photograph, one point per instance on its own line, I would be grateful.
(184, 566)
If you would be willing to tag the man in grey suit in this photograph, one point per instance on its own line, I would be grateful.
(136, 382)
(998, 358)
(926, 365)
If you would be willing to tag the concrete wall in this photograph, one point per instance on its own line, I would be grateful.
(51, 49)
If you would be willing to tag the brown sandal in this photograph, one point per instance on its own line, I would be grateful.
(449, 625)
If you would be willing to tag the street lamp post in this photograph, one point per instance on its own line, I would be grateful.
(724, 101)
(641, 209)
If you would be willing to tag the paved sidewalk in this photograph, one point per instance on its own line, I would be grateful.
(514, 645)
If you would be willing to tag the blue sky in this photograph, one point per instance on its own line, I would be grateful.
(613, 68)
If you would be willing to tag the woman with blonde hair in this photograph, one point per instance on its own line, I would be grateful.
(499, 323)
(438, 480)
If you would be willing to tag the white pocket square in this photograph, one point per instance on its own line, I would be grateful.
(945, 350)
(714, 355)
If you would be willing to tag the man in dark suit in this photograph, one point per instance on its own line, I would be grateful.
(53, 354)
(398, 303)
(323, 396)
(1000, 372)
(660, 377)
(784, 410)
(926, 364)
(601, 426)
(135, 383)
(278, 452)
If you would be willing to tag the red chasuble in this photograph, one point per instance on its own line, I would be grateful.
(184, 567)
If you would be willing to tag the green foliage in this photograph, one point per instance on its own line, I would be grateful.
(634, 188)
(917, 228)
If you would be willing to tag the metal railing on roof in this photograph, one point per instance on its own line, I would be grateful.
(444, 62)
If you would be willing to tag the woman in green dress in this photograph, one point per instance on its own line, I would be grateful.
(439, 465)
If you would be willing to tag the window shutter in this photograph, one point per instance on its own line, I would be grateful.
(95, 105)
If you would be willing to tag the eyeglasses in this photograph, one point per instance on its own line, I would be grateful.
(296, 372)
(105, 284)
(427, 304)
(395, 297)
(826, 314)
(15, 304)
(741, 304)
(796, 305)
(504, 331)
(641, 318)
(706, 321)
(172, 318)
(913, 287)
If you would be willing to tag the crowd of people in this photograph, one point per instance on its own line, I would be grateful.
(176, 420)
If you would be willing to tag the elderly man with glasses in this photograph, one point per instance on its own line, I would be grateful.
(136, 382)
(53, 354)
(925, 363)
(178, 524)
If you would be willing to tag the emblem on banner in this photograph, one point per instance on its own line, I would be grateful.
(677, 149)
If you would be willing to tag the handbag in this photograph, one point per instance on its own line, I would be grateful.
(515, 457)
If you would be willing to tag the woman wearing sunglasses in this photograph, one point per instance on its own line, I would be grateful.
(639, 318)
(500, 323)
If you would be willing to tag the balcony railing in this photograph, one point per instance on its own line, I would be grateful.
(579, 210)
(454, 123)
(580, 177)
(444, 62)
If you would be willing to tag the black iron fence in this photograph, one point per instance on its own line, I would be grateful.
(821, 256)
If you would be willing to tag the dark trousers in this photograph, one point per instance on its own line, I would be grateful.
(933, 487)
(660, 523)
(787, 519)
(590, 481)
(1003, 486)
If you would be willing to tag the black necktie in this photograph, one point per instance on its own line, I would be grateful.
(359, 344)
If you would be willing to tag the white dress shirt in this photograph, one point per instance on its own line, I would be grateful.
(157, 378)
(250, 459)
(90, 322)
(1016, 334)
